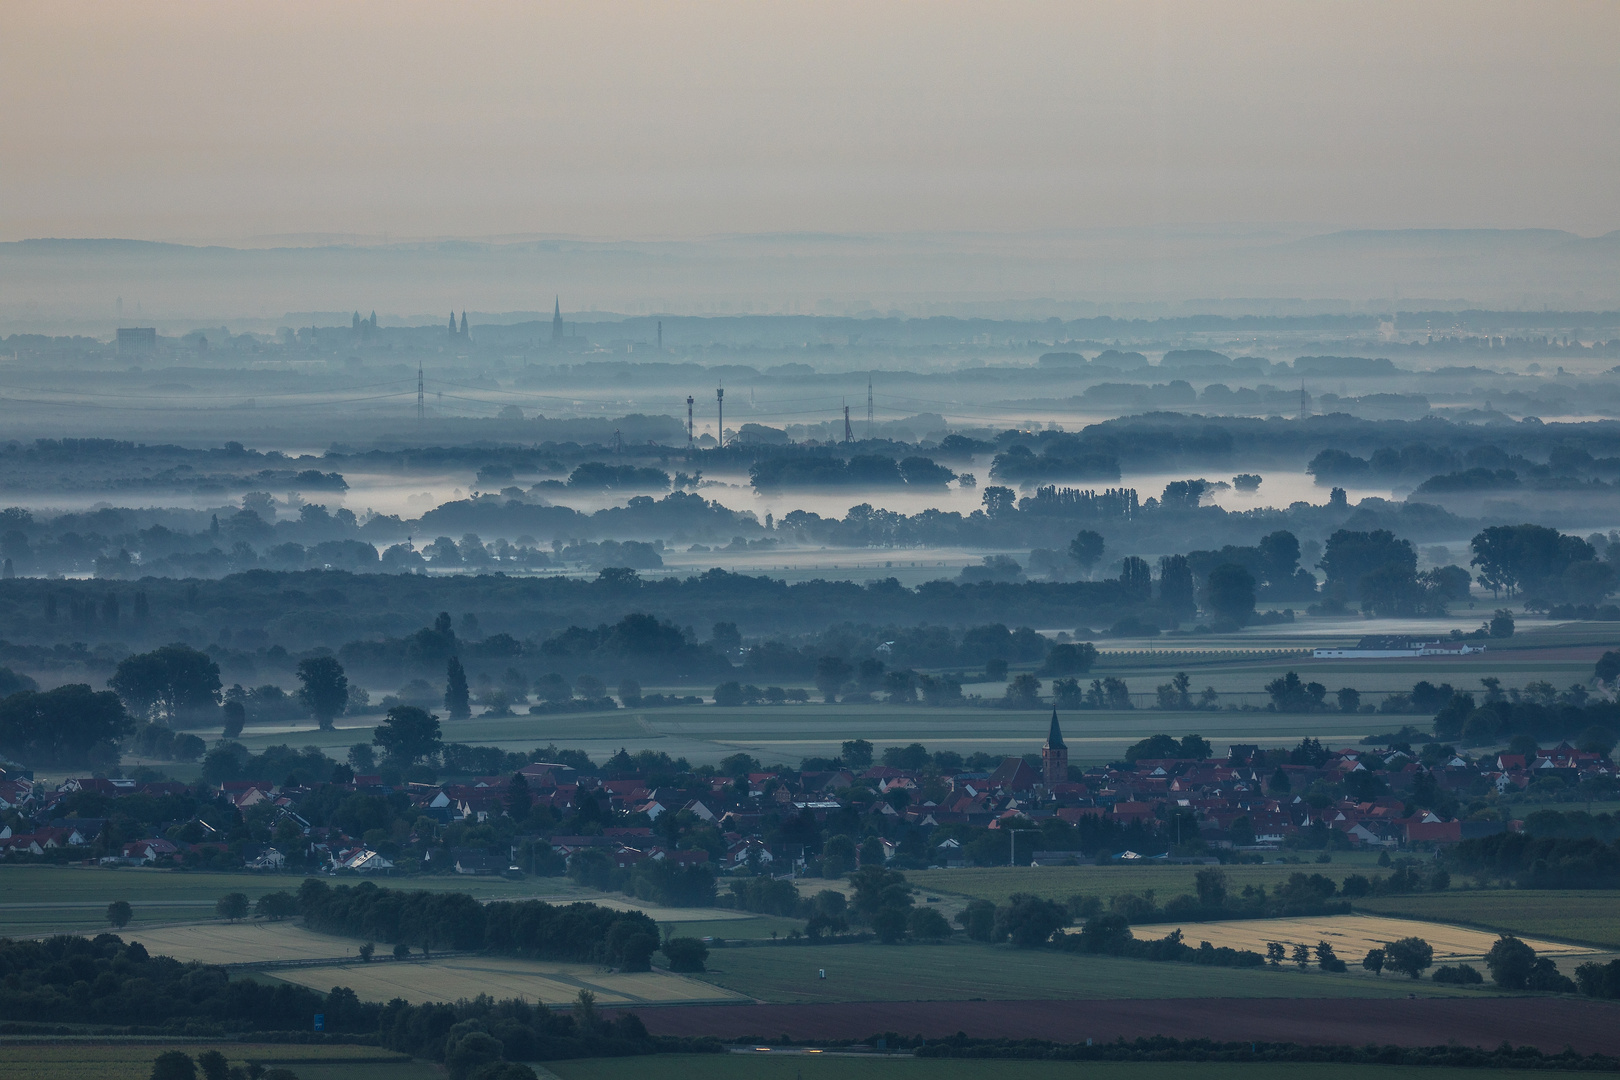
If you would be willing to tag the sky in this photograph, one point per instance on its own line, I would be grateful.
(242, 123)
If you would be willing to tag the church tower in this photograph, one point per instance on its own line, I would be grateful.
(556, 322)
(1055, 756)
(464, 322)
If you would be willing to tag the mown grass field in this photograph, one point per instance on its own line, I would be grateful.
(997, 883)
(778, 1066)
(1589, 917)
(133, 1061)
(961, 970)
(243, 942)
(453, 978)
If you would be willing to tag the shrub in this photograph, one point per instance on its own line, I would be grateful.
(174, 1065)
(1458, 975)
(686, 954)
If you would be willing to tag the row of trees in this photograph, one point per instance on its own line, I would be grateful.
(528, 928)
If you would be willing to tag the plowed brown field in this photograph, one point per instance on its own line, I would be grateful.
(1549, 1024)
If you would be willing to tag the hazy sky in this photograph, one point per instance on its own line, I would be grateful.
(232, 120)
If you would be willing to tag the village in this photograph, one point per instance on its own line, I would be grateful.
(1170, 799)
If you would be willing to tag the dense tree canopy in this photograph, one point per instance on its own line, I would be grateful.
(70, 725)
(173, 682)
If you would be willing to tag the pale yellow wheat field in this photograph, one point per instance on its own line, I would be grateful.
(1350, 935)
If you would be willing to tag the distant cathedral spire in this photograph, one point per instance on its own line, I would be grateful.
(463, 322)
(556, 321)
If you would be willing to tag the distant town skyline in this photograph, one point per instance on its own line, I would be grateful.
(194, 122)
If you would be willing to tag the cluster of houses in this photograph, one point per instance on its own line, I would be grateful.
(1243, 801)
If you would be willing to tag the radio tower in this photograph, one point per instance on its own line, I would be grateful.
(421, 401)
(849, 436)
(869, 405)
(690, 441)
(1304, 401)
(720, 401)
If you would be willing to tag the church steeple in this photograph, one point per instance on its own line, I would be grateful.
(1055, 756)
(556, 321)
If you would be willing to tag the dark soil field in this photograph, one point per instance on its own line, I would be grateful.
(1549, 1024)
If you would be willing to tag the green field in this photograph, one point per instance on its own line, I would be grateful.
(1588, 917)
(98, 1060)
(961, 970)
(1061, 882)
(758, 928)
(37, 900)
(1237, 665)
(791, 1066)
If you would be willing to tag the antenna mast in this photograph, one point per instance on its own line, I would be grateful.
(849, 436)
(421, 401)
(690, 441)
(720, 401)
(868, 405)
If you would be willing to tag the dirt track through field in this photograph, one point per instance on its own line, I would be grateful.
(1549, 1024)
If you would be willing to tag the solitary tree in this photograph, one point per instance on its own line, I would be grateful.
(232, 906)
(275, 906)
(325, 692)
(214, 1065)
(1229, 593)
(1086, 549)
(1176, 588)
(409, 734)
(518, 799)
(1409, 956)
(235, 718)
(119, 913)
(174, 1065)
(1326, 959)
(856, 754)
(1374, 961)
(456, 700)
(832, 672)
(1511, 961)
(1024, 692)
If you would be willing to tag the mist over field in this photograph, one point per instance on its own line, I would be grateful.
(709, 520)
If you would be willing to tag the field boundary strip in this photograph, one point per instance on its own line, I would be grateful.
(1497, 928)
(334, 961)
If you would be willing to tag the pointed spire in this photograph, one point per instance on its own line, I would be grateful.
(1054, 737)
